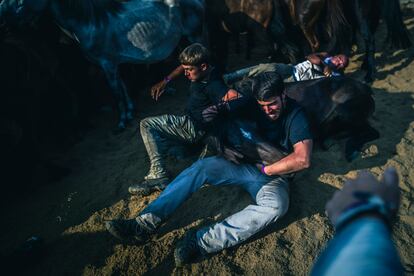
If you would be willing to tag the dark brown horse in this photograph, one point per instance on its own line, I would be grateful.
(281, 23)
(226, 17)
(307, 14)
(334, 106)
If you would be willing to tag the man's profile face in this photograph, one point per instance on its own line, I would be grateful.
(273, 107)
(339, 61)
(195, 73)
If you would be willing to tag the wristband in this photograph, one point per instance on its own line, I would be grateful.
(263, 167)
(373, 204)
(167, 79)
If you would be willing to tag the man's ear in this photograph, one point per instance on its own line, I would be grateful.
(204, 66)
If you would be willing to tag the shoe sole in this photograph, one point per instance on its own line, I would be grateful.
(147, 190)
(132, 240)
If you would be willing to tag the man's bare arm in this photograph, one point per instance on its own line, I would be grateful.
(317, 58)
(298, 160)
(231, 95)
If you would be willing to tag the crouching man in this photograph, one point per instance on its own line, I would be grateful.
(281, 121)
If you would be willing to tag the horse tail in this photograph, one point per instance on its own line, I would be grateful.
(338, 28)
(397, 33)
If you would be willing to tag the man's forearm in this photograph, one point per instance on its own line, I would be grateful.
(176, 72)
(289, 164)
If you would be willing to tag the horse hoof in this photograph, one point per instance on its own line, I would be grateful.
(130, 116)
(119, 128)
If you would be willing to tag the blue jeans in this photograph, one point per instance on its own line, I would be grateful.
(363, 247)
(271, 195)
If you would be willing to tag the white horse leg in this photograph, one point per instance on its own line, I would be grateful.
(118, 91)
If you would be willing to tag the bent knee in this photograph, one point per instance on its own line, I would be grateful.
(149, 122)
(278, 206)
(144, 123)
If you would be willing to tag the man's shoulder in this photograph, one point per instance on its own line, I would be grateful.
(295, 112)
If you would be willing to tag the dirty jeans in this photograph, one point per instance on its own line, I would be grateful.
(271, 196)
(155, 132)
(284, 70)
(363, 247)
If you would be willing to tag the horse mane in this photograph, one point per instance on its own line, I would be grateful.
(89, 10)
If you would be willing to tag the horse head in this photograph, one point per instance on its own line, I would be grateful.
(21, 11)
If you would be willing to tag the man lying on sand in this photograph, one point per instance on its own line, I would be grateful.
(317, 65)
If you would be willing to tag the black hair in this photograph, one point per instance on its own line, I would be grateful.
(267, 85)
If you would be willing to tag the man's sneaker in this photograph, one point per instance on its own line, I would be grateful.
(187, 250)
(128, 230)
(149, 186)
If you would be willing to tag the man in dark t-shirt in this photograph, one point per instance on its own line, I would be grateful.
(207, 89)
(280, 121)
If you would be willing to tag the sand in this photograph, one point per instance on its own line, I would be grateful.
(70, 214)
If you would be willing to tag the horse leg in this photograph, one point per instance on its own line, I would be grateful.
(250, 45)
(308, 17)
(218, 41)
(118, 91)
(257, 31)
(310, 37)
(278, 33)
(237, 43)
(368, 22)
(369, 60)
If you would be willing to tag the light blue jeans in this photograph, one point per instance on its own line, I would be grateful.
(271, 195)
(363, 247)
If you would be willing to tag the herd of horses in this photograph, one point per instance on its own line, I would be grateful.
(112, 32)
(296, 27)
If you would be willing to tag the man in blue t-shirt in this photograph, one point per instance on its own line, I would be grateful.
(284, 124)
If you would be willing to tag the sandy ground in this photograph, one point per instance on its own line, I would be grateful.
(70, 214)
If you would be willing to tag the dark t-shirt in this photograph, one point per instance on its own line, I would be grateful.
(203, 94)
(290, 128)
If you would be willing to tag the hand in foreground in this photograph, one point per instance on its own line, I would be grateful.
(232, 155)
(158, 89)
(368, 194)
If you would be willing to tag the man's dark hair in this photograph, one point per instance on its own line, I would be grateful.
(195, 55)
(267, 85)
